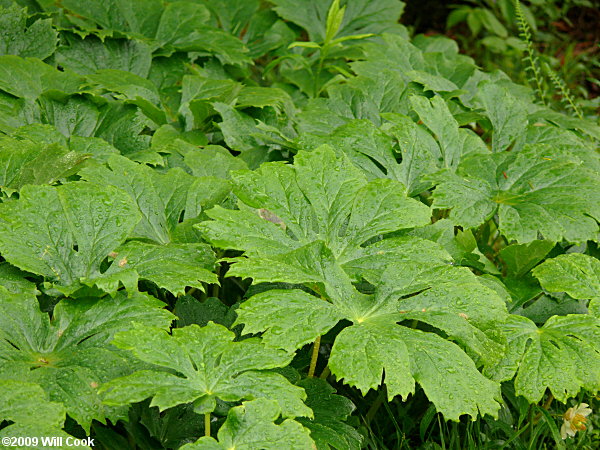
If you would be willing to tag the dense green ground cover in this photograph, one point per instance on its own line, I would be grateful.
(286, 224)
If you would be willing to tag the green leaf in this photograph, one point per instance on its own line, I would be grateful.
(126, 16)
(239, 130)
(321, 197)
(437, 117)
(288, 323)
(421, 155)
(328, 428)
(227, 49)
(209, 366)
(69, 356)
(179, 20)
(27, 162)
(161, 198)
(70, 115)
(363, 143)
(29, 77)
(562, 356)
(27, 403)
(14, 281)
(123, 126)
(251, 426)
(89, 55)
(576, 274)
(183, 27)
(266, 33)
(534, 191)
(234, 15)
(189, 310)
(565, 141)
(358, 98)
(37, 40)
(260, 97)
(521, 258)
(361, 354)
(449, 378)
(64, 233)
(319, 218)
(172, 267)
(361, 16)
(136, 90)
(506, 112)
(213, 160)
(198, 94)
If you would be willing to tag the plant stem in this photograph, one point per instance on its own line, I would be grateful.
(215, 287)
(546, 406)
(375, 406)
(326, 372)
(314, 357)
(207, 424)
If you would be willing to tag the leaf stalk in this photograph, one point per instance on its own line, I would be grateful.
(207, 424)
(314, 357)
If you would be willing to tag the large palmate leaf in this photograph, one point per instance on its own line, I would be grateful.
(534, 191)
(208, 366)
(429, 291)
(315, 226)
(321, 197)
(563, 356)
(64, 233)
(70, 355)
(417, 154)
(252, 426)
(37, 41)
(162, 199)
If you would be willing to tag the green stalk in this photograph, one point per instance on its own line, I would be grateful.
(207, 424)
(314, 357)
(376, 405)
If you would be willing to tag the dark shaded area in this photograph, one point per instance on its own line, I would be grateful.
(427, 16)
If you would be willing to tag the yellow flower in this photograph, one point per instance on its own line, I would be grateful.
(574, 420)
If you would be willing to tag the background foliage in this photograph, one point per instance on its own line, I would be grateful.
(297, 224)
